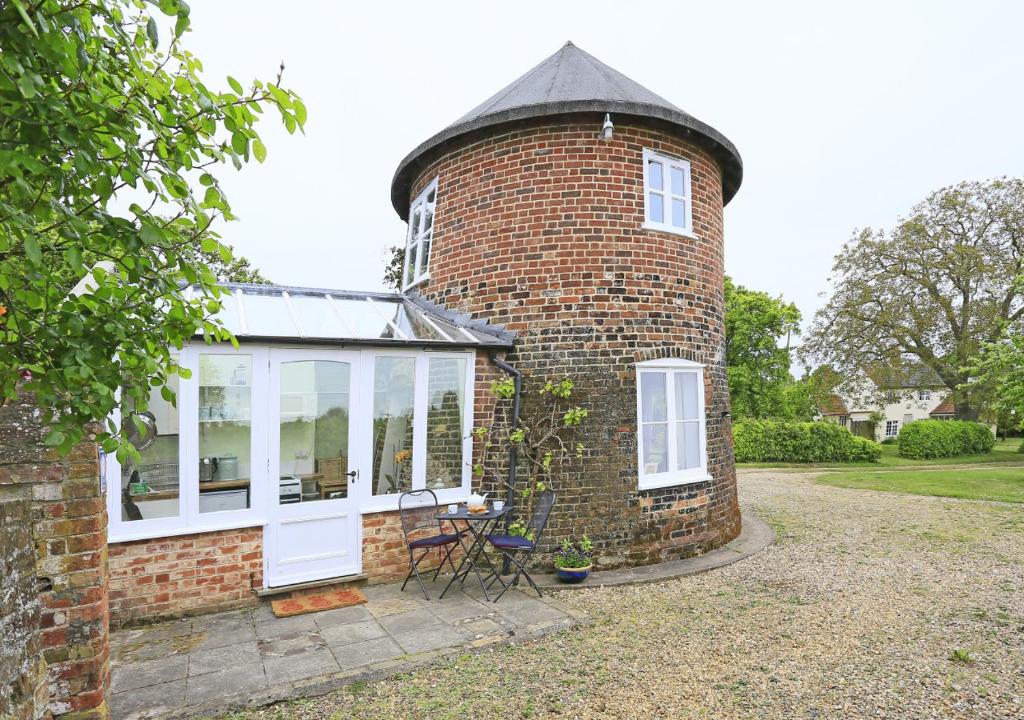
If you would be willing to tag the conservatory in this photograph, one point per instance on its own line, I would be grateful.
(331, 406)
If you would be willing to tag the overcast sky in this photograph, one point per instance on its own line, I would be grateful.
(845, 116)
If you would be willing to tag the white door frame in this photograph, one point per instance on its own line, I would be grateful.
(338, 561)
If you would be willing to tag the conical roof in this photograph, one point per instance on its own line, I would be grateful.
(570, 81)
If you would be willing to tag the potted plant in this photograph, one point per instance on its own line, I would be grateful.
(574, 560)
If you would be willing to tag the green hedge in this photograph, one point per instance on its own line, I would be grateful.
(800, 442)
(944, 438)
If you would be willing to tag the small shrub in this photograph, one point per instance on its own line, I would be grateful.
(925, 439)
(575, 555)
(890, 441)
(800, 442)
(961, 656)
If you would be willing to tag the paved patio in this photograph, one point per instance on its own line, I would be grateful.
(207, 664)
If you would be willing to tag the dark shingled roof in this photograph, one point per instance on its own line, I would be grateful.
(909, 376)
(570, 81)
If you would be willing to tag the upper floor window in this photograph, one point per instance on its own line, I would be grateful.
(924, 394)
(421, 230)
(671, 434)
(667, 193)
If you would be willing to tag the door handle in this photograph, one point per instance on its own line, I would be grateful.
(354, 475)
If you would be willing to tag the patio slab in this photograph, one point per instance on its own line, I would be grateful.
(209, 664)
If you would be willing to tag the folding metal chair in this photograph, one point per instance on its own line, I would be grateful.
(423, 516)
(512, 545)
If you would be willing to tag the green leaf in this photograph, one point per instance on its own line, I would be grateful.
(153, 32)
(259, 150)
(24, 16)
(32, 249)
(235, 85)
(239, 143)
(151, 234)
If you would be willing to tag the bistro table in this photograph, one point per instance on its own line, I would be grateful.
(478, 525)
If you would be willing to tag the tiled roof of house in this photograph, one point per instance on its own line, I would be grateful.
(570, 81)
(946, 407)
(832, 405)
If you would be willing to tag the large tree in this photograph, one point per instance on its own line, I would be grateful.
(109, 143)
(758, 330)
(934, 290)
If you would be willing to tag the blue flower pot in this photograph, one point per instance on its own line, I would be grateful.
(573, 575)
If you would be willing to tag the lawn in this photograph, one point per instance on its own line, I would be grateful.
(1005, 451)
(1003, 484)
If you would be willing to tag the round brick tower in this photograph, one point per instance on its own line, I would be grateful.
(542, 224)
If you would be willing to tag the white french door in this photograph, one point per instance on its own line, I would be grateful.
(314, 526)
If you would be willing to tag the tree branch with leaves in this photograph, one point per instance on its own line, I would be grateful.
(110, 139)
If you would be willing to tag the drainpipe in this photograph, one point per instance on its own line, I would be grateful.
(513, 452)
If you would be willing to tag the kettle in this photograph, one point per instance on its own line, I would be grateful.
(207, 469)
(477, 501)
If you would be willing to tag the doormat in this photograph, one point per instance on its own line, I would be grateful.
(317, 602)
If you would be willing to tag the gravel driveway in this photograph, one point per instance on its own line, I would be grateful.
(871, 605)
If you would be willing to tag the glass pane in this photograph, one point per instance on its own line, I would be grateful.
(225, 432)
(414, 225)
(653, 404)
(431, 195)
(410, 264)
(678, 213)
(317, 317)
(424, 255)
(413, 324)
(655, 450)
(228, 313)
(428, 218)
(655, 208)
(687, 445)
(446, 390)
(686, 396)
(678, 181)
(314, 431)
(394, 381)
(150, 489)
(655, 175)
(364, 320)
(268, 315)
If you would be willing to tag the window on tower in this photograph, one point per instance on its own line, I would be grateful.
(667, 204)
(421, 232)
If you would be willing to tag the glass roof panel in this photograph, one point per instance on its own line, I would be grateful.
(413, 324)
(268, 316)
(365, 322)
(228, 313)
(318, 318)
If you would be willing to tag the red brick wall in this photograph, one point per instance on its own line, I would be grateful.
(186, 574)
(539, 227)
(67, 528)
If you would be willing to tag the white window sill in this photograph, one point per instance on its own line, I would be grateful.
(129, 534)
(417, 282)
(670, 229)
(656, 482)
(389, 503)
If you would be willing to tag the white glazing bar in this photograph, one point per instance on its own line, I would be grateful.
(243, 326)
(472, 338)
(291, 312)
(341, 316)
(386, 319)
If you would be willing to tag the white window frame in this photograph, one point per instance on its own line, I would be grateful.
(190, 521)
(669, 367)
(892, 428)
(371, 503)
(924, 395)
(668, 162)
(415, 236)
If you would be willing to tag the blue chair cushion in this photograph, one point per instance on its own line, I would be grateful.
(434, 541)
(509, 542)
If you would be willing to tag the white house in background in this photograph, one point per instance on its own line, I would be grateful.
(893, 398)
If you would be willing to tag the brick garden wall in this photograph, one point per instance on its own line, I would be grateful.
(57, 555)
(538, 227)
(185, 575)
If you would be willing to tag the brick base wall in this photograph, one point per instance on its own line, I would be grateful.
(188, 574)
